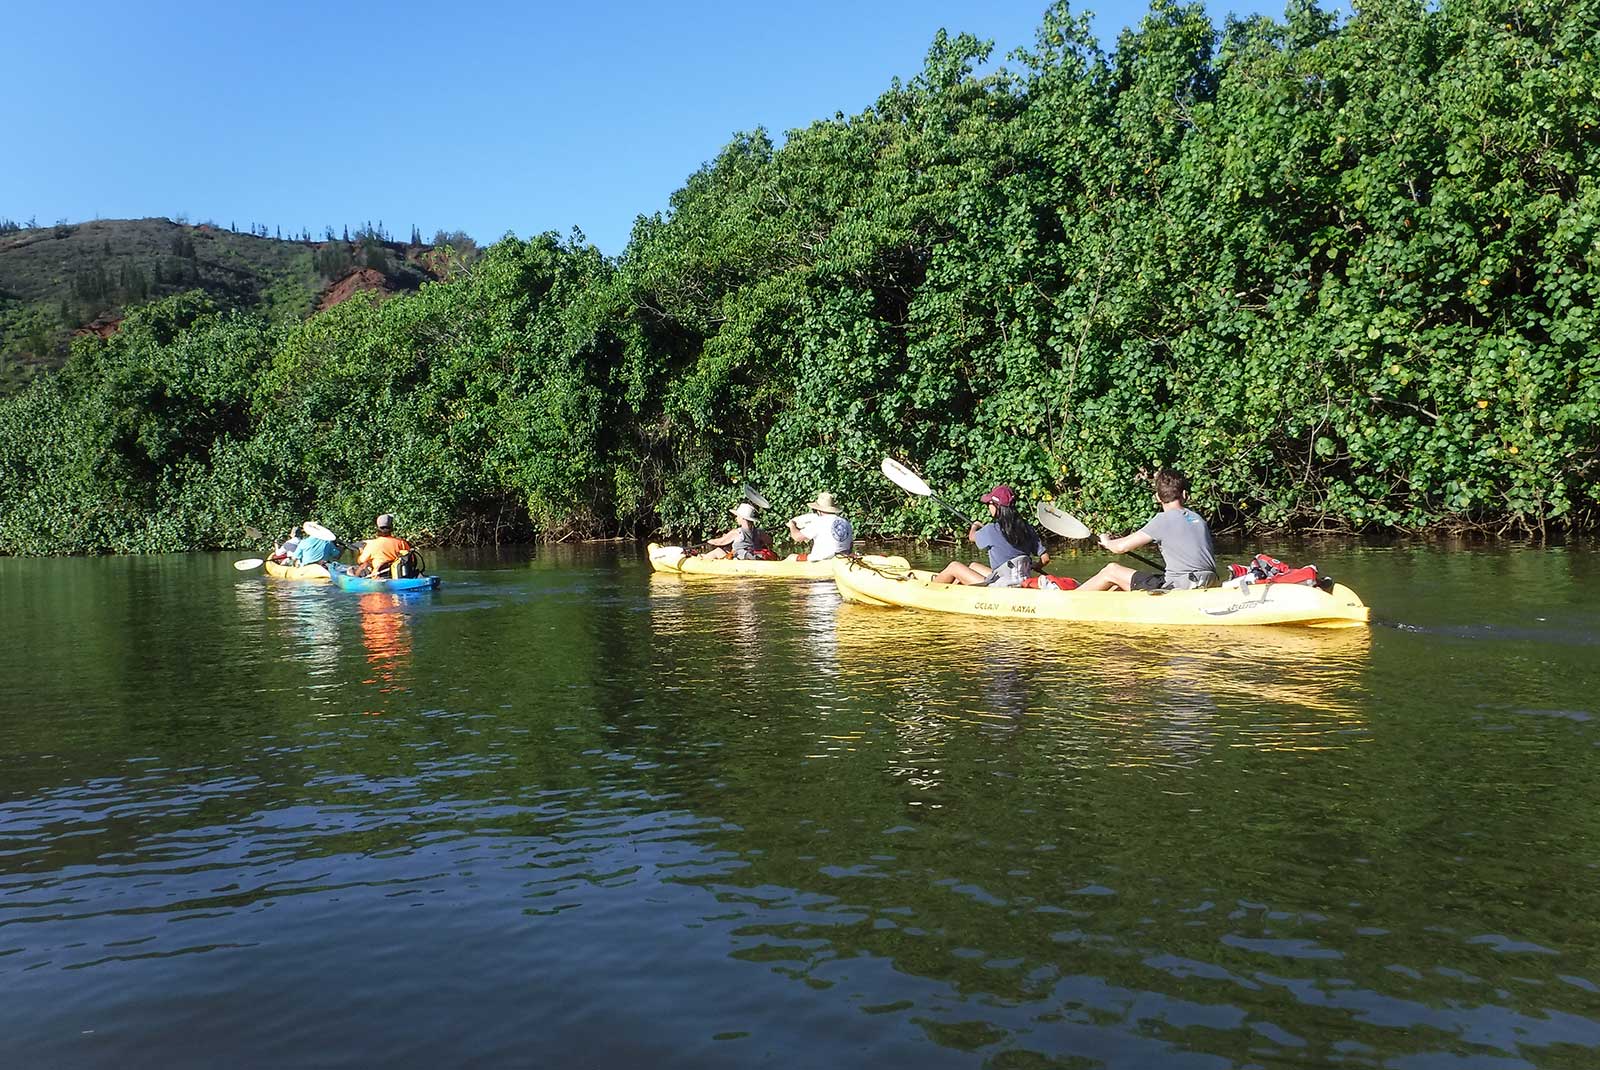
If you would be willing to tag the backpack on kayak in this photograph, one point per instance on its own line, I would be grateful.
(1046, 582)
(1266, 569)
(406, 567)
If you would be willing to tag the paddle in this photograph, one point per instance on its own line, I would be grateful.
(754, 497)
(1070, 527)
(911, 483)
(254, 535)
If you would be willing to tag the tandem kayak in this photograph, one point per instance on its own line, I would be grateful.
(879, 581)
(678, 561)
(351, 582)
(311, 573)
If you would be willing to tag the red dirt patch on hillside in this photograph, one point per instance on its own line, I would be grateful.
(351, 284)
(104, 325)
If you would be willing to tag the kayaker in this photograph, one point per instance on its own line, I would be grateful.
(744, 540)
(1011, 542)
(284, 552)
(315, 551)
(824, 528)
(1179, 531)
(383, 551)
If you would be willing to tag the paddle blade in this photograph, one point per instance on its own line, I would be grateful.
(253, 533)
(248, 563)
(905, 478)
(317, 531)
(1064, 524)
(754, 497)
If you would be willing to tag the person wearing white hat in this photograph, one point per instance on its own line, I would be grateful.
(828, 532)
(744, 540)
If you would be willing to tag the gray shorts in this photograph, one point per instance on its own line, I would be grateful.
(1010, 574)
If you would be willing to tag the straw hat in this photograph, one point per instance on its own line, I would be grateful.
(824, 504)
(744, 511)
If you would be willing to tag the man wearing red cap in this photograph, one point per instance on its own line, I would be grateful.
(1011, 542)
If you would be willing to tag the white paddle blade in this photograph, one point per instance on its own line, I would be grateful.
(754, 498)
(248, 563)
(317, 531)
(905, 478)
(1064, 524)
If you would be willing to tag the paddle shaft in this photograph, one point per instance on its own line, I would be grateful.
(1140, 557)
(959, 514)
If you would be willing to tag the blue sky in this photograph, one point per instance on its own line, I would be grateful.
(484, 117)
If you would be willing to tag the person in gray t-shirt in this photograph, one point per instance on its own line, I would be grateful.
(1185, 543)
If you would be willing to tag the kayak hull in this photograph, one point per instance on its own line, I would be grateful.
(674, 561)
(880, 581)
(307, 573)
(350, 582)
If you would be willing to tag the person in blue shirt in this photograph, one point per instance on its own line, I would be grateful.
(315, 551)
(1011, 542)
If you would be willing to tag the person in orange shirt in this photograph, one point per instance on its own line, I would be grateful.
(381, 553)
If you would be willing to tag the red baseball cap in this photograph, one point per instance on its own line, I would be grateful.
(1000, 495)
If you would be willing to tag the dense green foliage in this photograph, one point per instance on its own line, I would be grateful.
(1342, 274)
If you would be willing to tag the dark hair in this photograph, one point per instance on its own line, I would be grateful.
(1017, 531)
(1171, 486)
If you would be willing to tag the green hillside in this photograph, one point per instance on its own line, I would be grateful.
(71, 277)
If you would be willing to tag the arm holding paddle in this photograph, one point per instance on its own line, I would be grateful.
(1070, 527)
(1127, 544)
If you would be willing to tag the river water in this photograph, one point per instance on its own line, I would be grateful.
(563, 812)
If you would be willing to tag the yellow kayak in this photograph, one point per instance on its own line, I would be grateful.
(313, 573)
(674, 560)
(879, 581)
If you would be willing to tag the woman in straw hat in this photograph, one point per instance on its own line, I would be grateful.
(828, 533)
(744, 540)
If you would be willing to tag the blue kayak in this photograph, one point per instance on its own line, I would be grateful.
(351, 582)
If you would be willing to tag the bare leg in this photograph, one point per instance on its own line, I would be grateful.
(956, 572)
(715, 554)
(1110, 578)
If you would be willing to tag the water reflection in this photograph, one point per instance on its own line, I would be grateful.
(308, 618)
(386, 637)
(1155, 694)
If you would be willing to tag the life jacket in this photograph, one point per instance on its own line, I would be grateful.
(1045, 582)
